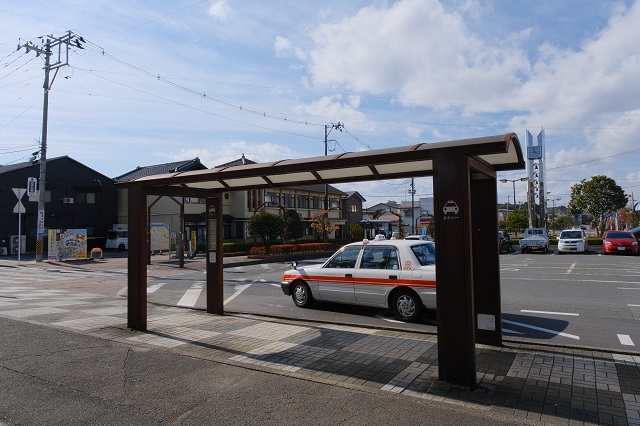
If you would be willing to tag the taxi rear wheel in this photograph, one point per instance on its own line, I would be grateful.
(407, 305)
(301, 294)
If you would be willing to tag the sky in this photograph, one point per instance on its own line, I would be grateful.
(162, 81)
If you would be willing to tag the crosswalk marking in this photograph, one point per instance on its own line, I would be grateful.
(190, 297)
(625, 339)
(152, 288)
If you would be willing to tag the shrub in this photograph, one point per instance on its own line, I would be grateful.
(285, 249)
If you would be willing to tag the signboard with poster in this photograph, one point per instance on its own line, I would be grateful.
(67, 244)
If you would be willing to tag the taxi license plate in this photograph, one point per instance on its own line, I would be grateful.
(621, 248)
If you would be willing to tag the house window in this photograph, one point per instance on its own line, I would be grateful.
(289, 200)
(317, 202)
(85, 197)
(253, 199)
(273, 197)
(303, 201)
(353, 208)
(187, 200)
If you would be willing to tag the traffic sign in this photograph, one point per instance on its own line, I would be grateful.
(19, 192)
(32, 186)
(19, 208)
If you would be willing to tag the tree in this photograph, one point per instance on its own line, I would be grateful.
(562, 222)
(357, 232)
(294, 226)
(599, 197)
(518, 219)
(267, 226)
(316, 222)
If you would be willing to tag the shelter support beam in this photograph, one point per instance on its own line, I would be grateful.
(454, 271)
(215, 294)
(137, 260)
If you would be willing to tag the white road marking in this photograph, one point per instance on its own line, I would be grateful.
(239, 289)
(382, 317)
(628, 288)
(550, 313)
(625, 339)
(573, 265)
(546, 330)
(564, 279)
(632, 305)
(154, 287)
(190, 297)
(122, 291)
(506, 330)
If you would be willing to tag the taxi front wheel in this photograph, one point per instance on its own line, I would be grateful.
(406, 305)
(301, 294)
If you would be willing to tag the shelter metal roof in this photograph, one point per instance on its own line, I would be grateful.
(502, 152)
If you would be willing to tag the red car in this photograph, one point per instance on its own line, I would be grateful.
(620, 242)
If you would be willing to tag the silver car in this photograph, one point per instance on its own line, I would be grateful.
(398, 274)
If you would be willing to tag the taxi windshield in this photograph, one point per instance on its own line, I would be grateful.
(425, 253)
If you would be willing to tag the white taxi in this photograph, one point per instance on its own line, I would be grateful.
(398, 274)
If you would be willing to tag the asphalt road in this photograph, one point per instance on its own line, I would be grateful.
(586, 300)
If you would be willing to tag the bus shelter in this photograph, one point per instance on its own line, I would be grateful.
(465, 198)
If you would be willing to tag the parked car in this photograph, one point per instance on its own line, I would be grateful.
(504, 242)
(398, 274)
(573, 240)
(535, 239)
(620, 242)
(418, 237)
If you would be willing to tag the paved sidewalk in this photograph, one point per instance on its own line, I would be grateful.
(521, 382)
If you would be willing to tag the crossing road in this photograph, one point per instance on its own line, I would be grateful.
(575, 300)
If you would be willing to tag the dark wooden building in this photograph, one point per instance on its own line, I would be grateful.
(76, 197)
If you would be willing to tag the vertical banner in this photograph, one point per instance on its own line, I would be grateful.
(535, 165)
(52, 250)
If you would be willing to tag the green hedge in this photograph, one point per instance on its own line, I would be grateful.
(236, 247)
(284, 249)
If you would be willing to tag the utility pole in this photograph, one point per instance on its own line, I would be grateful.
(62, 46)
(327, 130)
(413, 193)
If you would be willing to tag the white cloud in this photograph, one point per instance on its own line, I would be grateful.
(211, 157)
(284, 48)
(414, 132)
(333, 110)
(417, 51)
(219, 9)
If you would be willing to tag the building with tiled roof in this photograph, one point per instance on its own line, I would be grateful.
(160, 169)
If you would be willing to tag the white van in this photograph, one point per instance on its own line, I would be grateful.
(118, 239)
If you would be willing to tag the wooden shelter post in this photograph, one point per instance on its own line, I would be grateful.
(486, 262)
(454, 271)
(215, 294)
(137, 260)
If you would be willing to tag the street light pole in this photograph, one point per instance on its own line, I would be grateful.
(513, 181)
